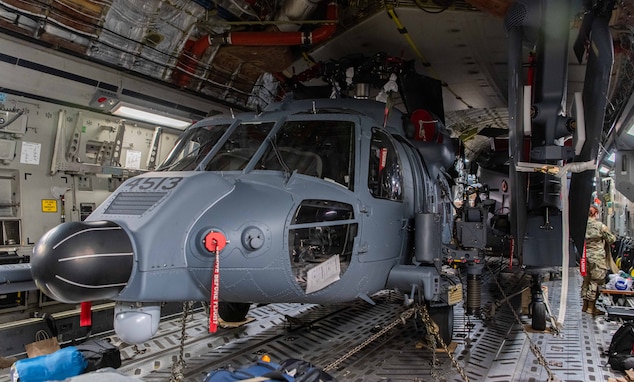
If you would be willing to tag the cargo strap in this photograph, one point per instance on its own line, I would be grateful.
(402, 30)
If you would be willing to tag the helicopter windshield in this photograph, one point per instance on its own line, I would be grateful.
(241, 145)
(319, 148)
(323, 149)
(192, 147)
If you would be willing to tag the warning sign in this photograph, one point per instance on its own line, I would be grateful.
(49, 205)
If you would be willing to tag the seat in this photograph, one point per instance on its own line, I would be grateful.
(234, 160)
(305, 162)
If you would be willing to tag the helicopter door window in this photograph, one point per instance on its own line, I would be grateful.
(385, 180)
(321, 231)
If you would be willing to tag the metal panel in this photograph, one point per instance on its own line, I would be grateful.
(133, 203)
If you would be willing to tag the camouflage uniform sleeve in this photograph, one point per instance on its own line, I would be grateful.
(608, 236)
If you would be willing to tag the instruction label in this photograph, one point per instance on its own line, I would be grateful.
(133, 159)
(30, 153)
(323, 275)
(49, 205)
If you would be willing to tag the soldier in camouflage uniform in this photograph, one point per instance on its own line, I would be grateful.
(597, 235)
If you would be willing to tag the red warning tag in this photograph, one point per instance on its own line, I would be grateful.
(85, 314)
(213, 303)
(382, 159)
(584, 261)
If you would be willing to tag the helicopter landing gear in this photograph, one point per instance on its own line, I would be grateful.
(537, 307)
(233, 311)
(443, 317)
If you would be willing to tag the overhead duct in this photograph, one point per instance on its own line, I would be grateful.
(189, 60)
(286, 38)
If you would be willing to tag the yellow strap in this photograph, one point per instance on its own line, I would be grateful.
(402, 30)
(308, 58)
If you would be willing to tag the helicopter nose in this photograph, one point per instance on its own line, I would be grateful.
(82, 261)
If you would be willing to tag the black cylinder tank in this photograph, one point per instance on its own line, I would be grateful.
(82, 261)
(428, 239)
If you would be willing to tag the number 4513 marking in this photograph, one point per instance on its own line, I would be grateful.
(154, 184)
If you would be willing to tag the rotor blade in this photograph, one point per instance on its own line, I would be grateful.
(517, 180)
(597, 80)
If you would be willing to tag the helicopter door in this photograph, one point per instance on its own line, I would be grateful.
(382, 229)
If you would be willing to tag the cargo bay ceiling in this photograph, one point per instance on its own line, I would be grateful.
(244, 54)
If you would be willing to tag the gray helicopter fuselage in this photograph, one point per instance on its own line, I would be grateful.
(315, 200)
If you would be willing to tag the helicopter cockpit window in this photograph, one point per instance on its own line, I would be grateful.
(238, 149)
(385, 180)
(321, 240)
(192, 147)
(323, 149)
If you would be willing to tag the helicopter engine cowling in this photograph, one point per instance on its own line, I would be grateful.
(73, 261)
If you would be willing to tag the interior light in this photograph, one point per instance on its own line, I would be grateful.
(630, 131)
(604, 170)
(611, 158)
(128, 111)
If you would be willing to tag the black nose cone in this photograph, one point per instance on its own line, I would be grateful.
(83, 261)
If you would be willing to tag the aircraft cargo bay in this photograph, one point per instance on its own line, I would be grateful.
(316, 190)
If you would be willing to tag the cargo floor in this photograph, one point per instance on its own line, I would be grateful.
(493, 349)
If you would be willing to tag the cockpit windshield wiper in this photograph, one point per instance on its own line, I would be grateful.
(180, 164)
(192, 160)
(278, 155)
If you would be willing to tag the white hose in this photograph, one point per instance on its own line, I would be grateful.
(565, 231)
(562, 174)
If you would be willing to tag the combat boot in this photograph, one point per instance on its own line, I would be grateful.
(592, 309)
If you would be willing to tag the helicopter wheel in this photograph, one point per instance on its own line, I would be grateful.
(233, 311)
(443, 317)
(538, 316)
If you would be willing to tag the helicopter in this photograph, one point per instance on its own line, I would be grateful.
(314, 201)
